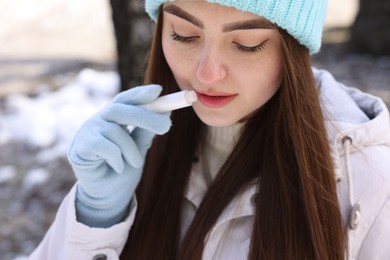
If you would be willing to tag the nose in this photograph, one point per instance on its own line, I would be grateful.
(210, 68)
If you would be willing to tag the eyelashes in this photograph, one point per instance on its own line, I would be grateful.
(252, 49)
(242, 48)
(183, 39)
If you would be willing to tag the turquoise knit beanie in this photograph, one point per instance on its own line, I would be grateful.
(302, 19)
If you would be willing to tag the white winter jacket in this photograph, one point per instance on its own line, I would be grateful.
(359, 133)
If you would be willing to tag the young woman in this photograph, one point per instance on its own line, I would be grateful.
(275, 160)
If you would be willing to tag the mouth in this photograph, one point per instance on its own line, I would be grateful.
(215, 99)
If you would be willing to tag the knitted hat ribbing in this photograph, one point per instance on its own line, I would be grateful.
(302, 19)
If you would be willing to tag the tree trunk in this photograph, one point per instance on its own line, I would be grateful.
(133, 30)
(370, 33)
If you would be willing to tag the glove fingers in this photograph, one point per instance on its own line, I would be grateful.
(143, 139)
(128, 147)
(138, 117)
(138, 95)
(90, 150)
(109, 143)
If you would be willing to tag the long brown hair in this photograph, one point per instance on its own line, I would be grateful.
(283, 148)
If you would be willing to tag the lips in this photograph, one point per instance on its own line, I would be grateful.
(215, 99)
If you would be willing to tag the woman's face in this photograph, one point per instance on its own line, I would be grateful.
(232, 59)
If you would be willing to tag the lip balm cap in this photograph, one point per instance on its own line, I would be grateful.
(191, 96)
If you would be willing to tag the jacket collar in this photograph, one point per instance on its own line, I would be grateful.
(350, 112)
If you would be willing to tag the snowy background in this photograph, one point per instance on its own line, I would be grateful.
(35, 133)
(56, 69)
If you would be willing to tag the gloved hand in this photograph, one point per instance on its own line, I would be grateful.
(108, 160)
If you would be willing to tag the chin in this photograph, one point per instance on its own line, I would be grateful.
(216, 118)
(219, 121)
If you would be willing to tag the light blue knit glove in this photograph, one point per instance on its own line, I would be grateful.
(108, 160)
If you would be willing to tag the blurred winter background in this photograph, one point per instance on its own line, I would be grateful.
(58, 63)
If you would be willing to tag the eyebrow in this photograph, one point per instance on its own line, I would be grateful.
(260, 23)
(173, 9)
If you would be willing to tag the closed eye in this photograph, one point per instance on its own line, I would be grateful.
(252, 49)
(184, 39)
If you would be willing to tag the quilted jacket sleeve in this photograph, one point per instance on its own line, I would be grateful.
(69, 239)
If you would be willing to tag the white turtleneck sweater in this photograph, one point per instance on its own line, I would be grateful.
(216, 148)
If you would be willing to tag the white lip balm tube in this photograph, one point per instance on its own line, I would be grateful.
(172, 101)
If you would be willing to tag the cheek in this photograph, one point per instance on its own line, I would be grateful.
(170, 56)
(275, 78)
(178, 62)
(266, 80)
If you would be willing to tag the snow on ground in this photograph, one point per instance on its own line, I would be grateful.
(52, 118)
(35, 135)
